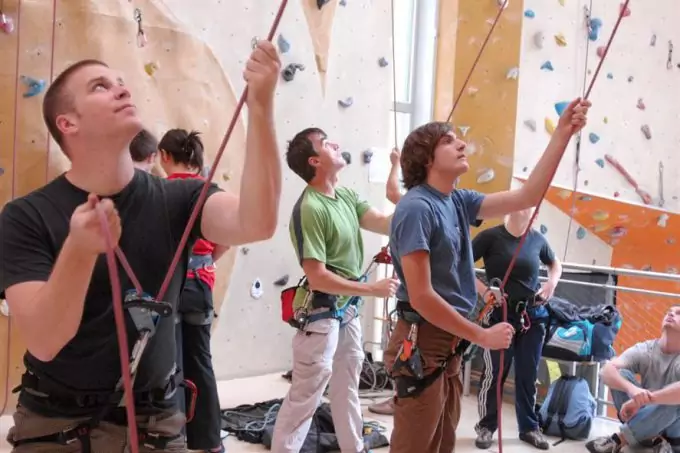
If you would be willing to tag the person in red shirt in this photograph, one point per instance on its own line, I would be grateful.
(181, 156)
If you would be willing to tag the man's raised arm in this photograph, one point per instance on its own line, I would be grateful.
(252, 215)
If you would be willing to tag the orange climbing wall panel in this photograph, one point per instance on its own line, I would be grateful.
(173, 96)
(489, 103)
(639, 242)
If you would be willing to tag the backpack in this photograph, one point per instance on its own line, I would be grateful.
(568, 410)
(581, 334)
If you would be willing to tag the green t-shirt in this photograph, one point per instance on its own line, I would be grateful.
(327, 229)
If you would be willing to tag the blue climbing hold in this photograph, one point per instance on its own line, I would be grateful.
(547, 66)
(529, 13)
(593, 137)
(610, 76)
(585, 198)
(347, 102)
(600, 162)
(594, 26)
(560, 107)
(35, 87)
(544, 229)
(580, 233)
(284, 45)
(382, 62)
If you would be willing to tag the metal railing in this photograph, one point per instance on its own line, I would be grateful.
(641, 308)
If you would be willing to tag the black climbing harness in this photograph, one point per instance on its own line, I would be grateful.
(145, 313)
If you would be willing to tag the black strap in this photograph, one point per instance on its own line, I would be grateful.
(559, 403)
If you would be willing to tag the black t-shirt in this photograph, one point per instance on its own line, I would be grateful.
(496, 247)
(154, 213)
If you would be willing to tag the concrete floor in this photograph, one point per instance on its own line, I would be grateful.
(261, 388)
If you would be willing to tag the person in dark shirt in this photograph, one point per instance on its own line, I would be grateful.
(526, 299)
(432, 256)
(143, 149)
(55, 276)
(181, 157)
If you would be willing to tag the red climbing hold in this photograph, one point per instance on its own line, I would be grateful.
(624, 12)
(600, 51)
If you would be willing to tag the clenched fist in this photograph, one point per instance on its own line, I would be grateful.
(498, 336)
(575, 116)
(385, 288)
(261, 75)
(86, 227)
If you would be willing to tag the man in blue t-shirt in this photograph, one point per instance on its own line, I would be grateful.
(432, 255)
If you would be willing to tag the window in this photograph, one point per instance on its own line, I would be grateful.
(403, 121)
(404, 30)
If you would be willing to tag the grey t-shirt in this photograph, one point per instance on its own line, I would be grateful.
(656, 369)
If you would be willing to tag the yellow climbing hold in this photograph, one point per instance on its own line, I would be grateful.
(561, 40)
(549, 126)
(564, 194)
(600, 215)
(600, 227)
(150, 68)
(606, 120)
(561, 2)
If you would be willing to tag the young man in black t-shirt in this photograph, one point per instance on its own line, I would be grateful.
(55, 276)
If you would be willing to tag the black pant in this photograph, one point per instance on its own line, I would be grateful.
(526, 350)
(193, 349)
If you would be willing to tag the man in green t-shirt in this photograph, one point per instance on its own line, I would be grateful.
(325, 229)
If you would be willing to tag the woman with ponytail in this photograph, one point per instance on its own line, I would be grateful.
(181, 156)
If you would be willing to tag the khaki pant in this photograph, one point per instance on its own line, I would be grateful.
(324, 353)
(427, 423)
(107, 438)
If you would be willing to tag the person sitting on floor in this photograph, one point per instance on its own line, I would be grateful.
(650, 409)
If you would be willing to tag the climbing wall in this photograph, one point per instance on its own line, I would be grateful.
(184, 62)
(625, 195)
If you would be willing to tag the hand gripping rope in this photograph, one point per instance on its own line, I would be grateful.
(503, 302)
(141, 301)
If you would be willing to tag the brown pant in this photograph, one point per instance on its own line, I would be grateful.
(107, 438)
(427, 423)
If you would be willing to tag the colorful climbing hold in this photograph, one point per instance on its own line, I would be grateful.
(580, 233)
(382, 62)
(283, 44)
(347, 102)
(646, 131)
(525, 169)
(560, 107)
(600, 162)
(151, 67)
(594, 26)
(561, 2)
(539, 39)
(585, 198)
(593, 137)
(34, 87)
(600, 51)
(560, 40)
(605, 120)
(472, 91)
(641, 104)
(321, 3)
(256, 289)
(662, 220)
(617, 194)
(367, 155)
(624, 10)
(652, 42)
(544, 229)
(630, 79)
(529, 13)
(6, 23)
(600, 215)
(343, 2)
(670, 241)
(531, 124)
(463, 130)
(513, 73)
(547, 66)
(610, 76)
(600, 227)
(347, 157)
(618, 232)
(549, 126)
(564, 194)
(486, 175)
(288, 73)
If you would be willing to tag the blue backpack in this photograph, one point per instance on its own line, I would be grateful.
(581, 334)
(568, 410)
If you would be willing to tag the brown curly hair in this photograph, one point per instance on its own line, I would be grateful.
(418, 151)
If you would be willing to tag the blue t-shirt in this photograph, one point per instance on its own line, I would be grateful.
(427, 219)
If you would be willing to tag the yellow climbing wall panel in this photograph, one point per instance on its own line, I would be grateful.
(489, 103)
(176, 94)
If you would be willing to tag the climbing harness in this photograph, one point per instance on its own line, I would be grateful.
(145, 311)
(318, 305)
(504, 305)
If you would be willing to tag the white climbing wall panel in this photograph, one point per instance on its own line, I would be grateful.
(637, 86)
(250, 337)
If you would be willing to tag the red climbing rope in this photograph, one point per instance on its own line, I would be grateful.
(5, 400)
(503, 302)
(113, 251)
(479, 54)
